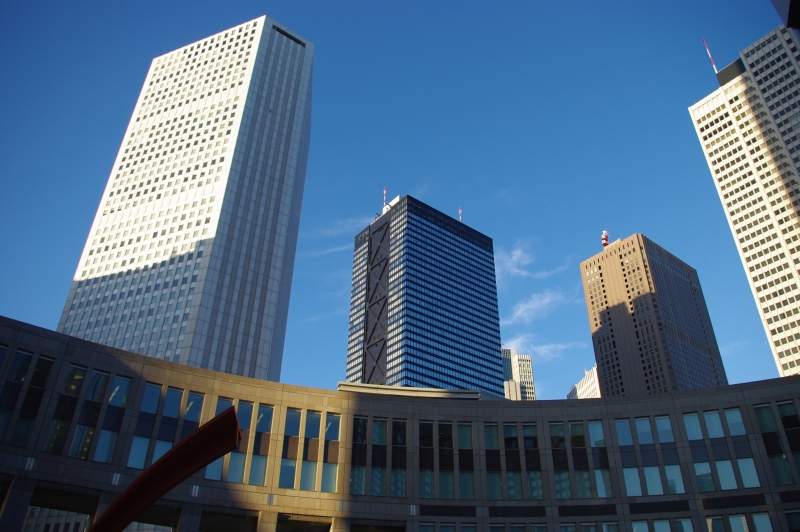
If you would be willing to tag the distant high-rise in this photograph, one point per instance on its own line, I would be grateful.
(423, 305)
(749, 132)
(650, 326)
(191, 252)
(517, 376)
(586, 388)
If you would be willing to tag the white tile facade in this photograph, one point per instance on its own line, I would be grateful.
(191, 252)
(518, 369)
(747, 130)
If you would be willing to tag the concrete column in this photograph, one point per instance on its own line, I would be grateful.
(190, 518)
(15, 510)
(268, 522)
(340, 524)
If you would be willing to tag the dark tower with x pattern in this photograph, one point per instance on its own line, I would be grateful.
(423, 307)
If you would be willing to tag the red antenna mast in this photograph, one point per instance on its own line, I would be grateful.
(459, 215)
(384, 196)
(604, 238)
(709, 56)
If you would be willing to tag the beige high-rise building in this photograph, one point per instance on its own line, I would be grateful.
(586, 388)
(650, 326)
(748, 129)
(517, 376)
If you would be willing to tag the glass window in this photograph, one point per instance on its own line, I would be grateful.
(214, 469)
(399, 433)
(762, 522)
(292, 426)
(727, 481)
(445, 435)
(332, 426)
(288, 467)
(664, 429)
(530, 436)
(788, 413)
(583, 485)
(602, 478)
(104, 452)
(41, 371)
(713, 424)
(535, 489)
(258, 470)
(426, 434)
(194, 407)
(563, 487)
(426, 484)
(692, 424)
(138, 455)
(610, 527)
(674, 479)
(683, 525)
(557, 438)
(704, 480)
(596, 437)
(633, 487)
(449, 527)
(223, 403)
(399, 483)
(464, 436)
(236, 467)
(738, 523)
(264, 421)
(308, 476)
(714, 524)
(510, 436)
(494, 484)
(747, 468)
(624, 435)
(766, 419)
(472, 528)
(643, 431)
(20, 365)
(74, 381)
(576, 435)
(172, 404)
(491, 436)
(661, 525)
(780, 468)
(313, 420)
(426, 527)
(151, 398)
(735, 423)
(358, 482)
(244, 414)
(161, 449)
(119, 392)
(652, 478)
(97, 386)
(640, 526)
(446, 485)
(567, 527)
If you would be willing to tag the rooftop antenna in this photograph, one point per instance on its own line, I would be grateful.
(604, 238)
(384, 196)
(459, 215)
(709, 56)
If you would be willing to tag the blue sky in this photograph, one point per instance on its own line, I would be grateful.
(546, 121)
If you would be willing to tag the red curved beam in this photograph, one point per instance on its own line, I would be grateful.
(214, 439)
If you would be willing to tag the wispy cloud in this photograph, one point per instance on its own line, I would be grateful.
(730, 350)
(349, 226)
(513, 264)
(526, 344)
(330, 250)
(538, 305)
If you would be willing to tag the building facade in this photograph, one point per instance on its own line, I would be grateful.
(423, 307)
(747, 131)
(650, 325)
(191, 252)
(517, 376)
(79, 421)
(586, 388)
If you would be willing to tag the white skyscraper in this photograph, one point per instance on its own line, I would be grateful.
(517, 376)
(586, 388)
(749, 131)
(191, 252)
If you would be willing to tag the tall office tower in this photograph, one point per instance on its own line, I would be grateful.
(191, 252)
(517, 376)
(586, 388)
(650, 325)
(423, 305)
(749, 131)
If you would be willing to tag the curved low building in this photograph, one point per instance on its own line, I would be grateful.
(80, 421)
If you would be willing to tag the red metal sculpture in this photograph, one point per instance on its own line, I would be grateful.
(214, 439)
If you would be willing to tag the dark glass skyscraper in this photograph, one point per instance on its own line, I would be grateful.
(423, 307)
